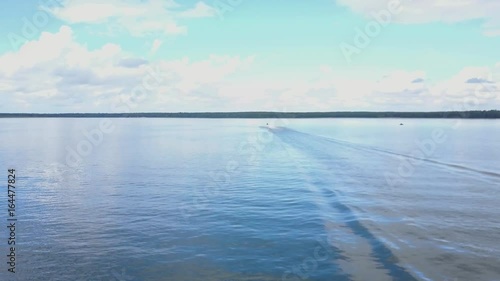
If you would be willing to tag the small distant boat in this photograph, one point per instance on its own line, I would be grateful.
(400, 124)
(268, 127)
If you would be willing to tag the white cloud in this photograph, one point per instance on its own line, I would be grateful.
(401, 90)
(57, 47)
(411, 90)
(200, 10)
(401, 81)
(156, 45)
(137, 17)
(424, 11)
(478, 83)
(55, 71)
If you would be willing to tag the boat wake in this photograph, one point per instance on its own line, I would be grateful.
(358, 246)
(331, 169)
(378, 150)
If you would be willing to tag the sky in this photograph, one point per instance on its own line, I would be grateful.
(249, 55)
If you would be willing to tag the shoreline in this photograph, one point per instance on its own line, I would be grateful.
(477, 114)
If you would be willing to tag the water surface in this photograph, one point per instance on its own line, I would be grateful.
(212, 199)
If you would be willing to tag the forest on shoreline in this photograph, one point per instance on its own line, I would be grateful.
(476, 114)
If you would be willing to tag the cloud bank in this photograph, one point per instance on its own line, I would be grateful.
(426, 11)
(55, 73)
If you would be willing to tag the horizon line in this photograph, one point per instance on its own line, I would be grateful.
(470, 114)
(252, 111)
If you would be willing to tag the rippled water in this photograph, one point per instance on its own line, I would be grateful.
(203, 199)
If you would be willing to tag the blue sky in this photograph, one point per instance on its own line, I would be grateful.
(229, 55)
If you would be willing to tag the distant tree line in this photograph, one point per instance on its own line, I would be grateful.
(476, 114)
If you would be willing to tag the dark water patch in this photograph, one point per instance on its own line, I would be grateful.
(380, 253)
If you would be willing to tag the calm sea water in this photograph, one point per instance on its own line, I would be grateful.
(203, 199)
